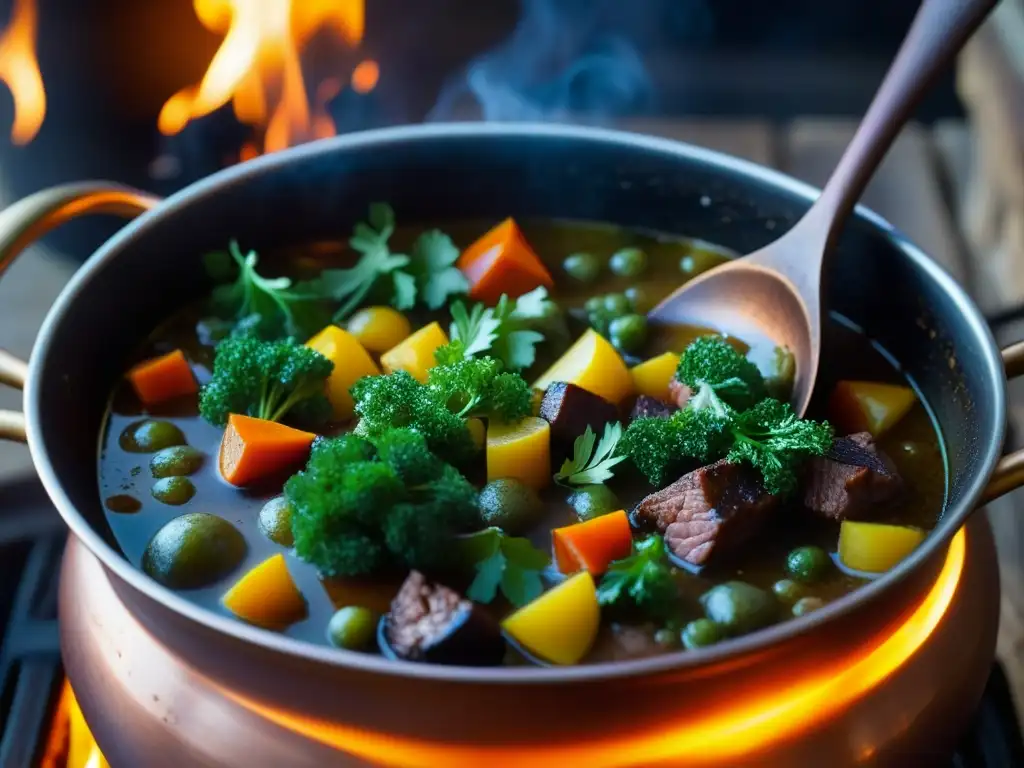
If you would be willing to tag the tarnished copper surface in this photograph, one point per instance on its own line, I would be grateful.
(148, 706)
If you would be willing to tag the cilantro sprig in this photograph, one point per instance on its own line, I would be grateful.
(509, 563)
(506, 330)
(589, 465)
(643, 582)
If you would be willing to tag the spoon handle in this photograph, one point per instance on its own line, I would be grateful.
(939, 30)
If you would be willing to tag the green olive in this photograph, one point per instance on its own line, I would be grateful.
(808, 564)
(806, 605)
(123, 504)
(617, 304)
(352, 628)
(511, 505)
(193, 551)
(629, 262)
(175, 490)
(594, 500)
(628, 333)
(739, 607)
(582, 266)
(666, 638)
(275, 521)
(638, 299)
(787, 590)
(593, 304)
(176, 460)
(150, 436)
(701, 633)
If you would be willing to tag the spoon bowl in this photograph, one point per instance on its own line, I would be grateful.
(775, 293)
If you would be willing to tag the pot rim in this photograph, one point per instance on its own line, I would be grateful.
(114, 562)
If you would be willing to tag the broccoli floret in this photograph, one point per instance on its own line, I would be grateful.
(361, 504)
(268, 380)
(477, 387)
(712, 367)
(662, 448)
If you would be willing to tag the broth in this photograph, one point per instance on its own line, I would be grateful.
(125, 479)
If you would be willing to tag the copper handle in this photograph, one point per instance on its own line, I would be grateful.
(1009, 472)
(26, 221)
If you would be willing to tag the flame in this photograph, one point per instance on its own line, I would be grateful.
(19, 68)
(728, 733)
(71, 744)
(257, 68)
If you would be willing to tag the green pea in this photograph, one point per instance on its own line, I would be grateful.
(351, 628)
(617, 304)
(582, 266)
(808, 564)
(628, 333)
(275, 521)
(807, 604)
(787, 590)
(175, 490)
(600, 319)
(666, 638)
(638, 299)
(593, 304)
(701, 633)
(176, 460)
(629, 262)
(150, 436)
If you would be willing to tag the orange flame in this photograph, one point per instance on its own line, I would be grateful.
(19, 69)
(257, 68)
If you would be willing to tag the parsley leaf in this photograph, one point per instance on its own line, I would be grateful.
(712, 367)
(588, 465)
(642, 582)
(505, 329)
(510, 563)
(272, 308)
(432, 264)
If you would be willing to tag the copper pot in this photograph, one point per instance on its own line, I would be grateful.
(884, 673)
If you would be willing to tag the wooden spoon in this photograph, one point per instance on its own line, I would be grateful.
(775, 292)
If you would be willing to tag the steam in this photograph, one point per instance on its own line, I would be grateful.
(565, 59)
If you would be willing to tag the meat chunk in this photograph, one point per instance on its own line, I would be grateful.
(679, 392)
(709, 513)
(570, 410)
(852, 480)
(430, 622)
(651, 407)
(621, 642)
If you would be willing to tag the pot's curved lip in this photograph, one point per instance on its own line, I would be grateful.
(115, 562)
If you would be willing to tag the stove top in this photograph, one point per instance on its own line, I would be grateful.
(32, 536)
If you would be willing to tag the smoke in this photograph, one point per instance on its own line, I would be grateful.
(566, 59)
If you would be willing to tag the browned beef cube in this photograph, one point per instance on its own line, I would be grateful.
(852, 481)
(651, 407)
(570, 410)
(708, 514)
(430, 622)
(679, 392)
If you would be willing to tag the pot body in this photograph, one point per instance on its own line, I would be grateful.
(432, 173)
(158, 700)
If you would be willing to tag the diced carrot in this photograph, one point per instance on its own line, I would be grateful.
(594, 544)
(162, 378)
(267, 596)
(868, 406)
(253, 449)
(502, 262)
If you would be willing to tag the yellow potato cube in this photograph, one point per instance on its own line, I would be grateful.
(521, 450)
(591, 363)
(651, 377)
(379, 328)
(416, 353)
(559, 626)
(267, 596)
(876, 547)
(351, 363)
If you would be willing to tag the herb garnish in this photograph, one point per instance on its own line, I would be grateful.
(506, 330)
(641, 582)
(510, 563)
(588, 465)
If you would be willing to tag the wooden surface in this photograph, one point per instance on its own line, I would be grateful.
(920, 189)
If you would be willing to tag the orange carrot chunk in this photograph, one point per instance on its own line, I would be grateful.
(502, 262)
(254, 449)
(163, 378)
(594, 544)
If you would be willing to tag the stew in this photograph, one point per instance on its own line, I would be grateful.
(484, 455)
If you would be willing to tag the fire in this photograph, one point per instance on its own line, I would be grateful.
(19, 68)
(258, 69)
